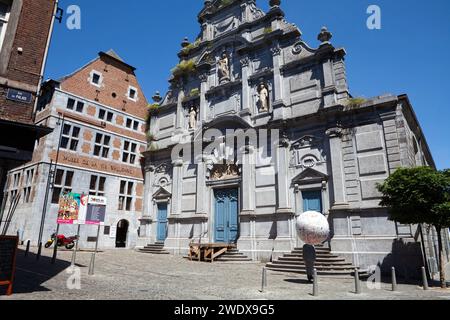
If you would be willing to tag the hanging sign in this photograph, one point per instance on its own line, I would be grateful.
(92, 211)
(69, 208)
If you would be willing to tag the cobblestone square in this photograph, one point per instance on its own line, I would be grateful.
(129, 275)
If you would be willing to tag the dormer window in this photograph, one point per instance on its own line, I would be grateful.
(96, 78)
(132, 93)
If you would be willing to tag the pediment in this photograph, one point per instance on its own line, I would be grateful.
(162, 194)
(310, 176)
(306, 141)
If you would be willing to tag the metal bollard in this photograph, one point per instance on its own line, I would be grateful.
(92, 265)
(38, 256)
(264, 279)
(424, 279)
(27, 250)
(357, 282)
(315, 284)
(394, 280)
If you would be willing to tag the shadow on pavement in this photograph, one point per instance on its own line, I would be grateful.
(32, 274)
(298, 281)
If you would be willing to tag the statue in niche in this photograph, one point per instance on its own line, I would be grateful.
(263, 101)
(224, 68)
(193, 118)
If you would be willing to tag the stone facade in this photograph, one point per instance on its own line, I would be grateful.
(252, 70)
(101, 131)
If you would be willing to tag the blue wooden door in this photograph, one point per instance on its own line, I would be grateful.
(312, 201)
(162, 222)
(226, 218)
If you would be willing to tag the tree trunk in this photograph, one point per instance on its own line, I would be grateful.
(441, 259)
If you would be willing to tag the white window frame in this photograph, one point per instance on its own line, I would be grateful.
(102, 146)
(5, 22)
(70, 137)
(127, 196)
(28, 184)
(100, 80)
(129, 152)
(96, 191)
(136, 93)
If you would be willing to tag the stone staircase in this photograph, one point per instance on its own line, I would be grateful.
(327, 264)
(156, 248)
(233, 255)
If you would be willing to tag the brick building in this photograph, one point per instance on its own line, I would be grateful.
(25, 32)
(99, 118)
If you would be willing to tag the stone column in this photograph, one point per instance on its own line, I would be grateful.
(337, 168)
(245, 63)
(277, 77)
(180, 113)
(201, 187)
(248, 182)
(177, 187)
(282, 175)
(203, 102)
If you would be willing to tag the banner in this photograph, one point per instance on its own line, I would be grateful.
(69, 207)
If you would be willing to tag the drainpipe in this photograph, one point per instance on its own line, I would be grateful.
(44, 61)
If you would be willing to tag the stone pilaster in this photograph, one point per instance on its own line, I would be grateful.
(337, 168)
(201, 187)
(180, 113)
(248, 182)
(245, 64)
(148, 192)
(203, 102)
(177, 187)
(284, 205)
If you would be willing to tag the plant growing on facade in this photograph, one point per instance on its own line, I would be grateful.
(184, 68)
(420, 196)
(192, 46)
(194, 92)
(268, 30)
(355, 103)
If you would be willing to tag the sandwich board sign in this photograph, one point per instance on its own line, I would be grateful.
(8, 253)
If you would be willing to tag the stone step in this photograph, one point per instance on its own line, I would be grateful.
(318, 267)
(300, 260)
(154, 247)
(230, 259)
(317, 249)
(318, 256)
(338, 264)
(152, 251)
(319, 272)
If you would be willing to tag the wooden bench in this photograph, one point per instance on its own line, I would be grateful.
(208, 251)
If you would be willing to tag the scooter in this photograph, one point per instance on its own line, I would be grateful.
(62, 241)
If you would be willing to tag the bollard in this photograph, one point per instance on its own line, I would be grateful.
(27, 250)
(38, 256)
(264, 279)
(357, 282)
(424, 279)
(315, 285)
(394, 280)
(92, 265)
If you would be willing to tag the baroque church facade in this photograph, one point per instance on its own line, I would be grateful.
(250, 71)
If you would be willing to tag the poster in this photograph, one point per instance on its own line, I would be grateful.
(93, 211)
(69, 206)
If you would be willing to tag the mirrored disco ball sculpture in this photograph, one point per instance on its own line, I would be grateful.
(313, 228)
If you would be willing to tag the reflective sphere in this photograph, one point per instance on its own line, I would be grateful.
(313, 228)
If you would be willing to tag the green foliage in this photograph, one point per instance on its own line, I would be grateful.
(153, 108)
(150, 137)
(224, 3)
(418, 195)
(267, 30)
(192, 46)
(194, 92)
(355, 103)
(184, 68)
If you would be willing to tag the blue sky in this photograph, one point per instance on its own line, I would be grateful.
(410, 54)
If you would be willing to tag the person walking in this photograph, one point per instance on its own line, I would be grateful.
(309, 257)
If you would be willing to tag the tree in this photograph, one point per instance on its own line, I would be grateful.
(420, 195)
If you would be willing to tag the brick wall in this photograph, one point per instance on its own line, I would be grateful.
(24, 68)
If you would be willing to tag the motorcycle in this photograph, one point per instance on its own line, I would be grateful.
(62, 241)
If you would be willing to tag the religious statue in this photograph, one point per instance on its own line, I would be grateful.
(193, 118)
(263, 98)
(224, 68)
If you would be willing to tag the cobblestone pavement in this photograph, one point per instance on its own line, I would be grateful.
(126, 274)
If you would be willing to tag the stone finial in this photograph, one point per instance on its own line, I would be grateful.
(324, 35)
(157, 97)
(275, 3)
(185, 42)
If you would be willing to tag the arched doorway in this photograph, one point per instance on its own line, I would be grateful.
(122, 232)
